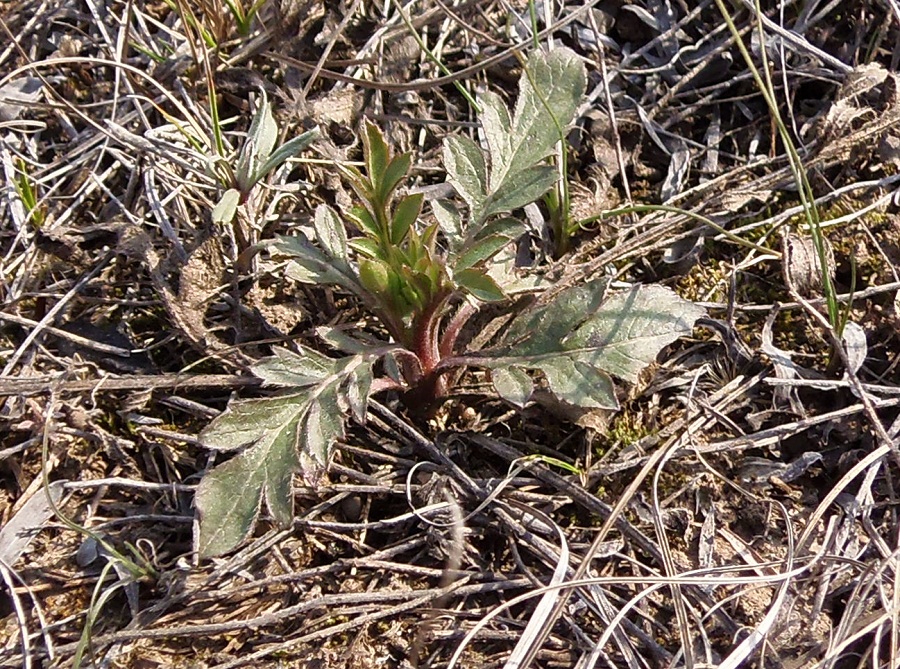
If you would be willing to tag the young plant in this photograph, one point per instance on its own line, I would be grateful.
(28, 195)
(256, 159)
(422, 282)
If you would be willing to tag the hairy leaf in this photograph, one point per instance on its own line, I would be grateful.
(480, 251)
(226, 207)
(449, 219)
(247, 421)
(521, 188)
(496, 123)
(310, 265)
(229, 497)
(583, 336)
(286, 151)
(539, 330)
(578, 383)
(283, 434)
(330, 232)
(512, 384)
(257, 147)
(288, 369)
(628, 331)
(466, 171)
(550, 91)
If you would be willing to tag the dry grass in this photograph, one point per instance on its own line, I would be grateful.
(739, 511)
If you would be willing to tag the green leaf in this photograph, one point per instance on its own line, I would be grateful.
(288, 369)
(394, 174)
(330, 232)
(226, 208)
(376, 154)
(509, 227)
(480, 251)
(229, 497)
(287, 433)
(628, 331)
(466, 171)
(366, 222)
(512, 384)
(375, 276)
(287, 151)
(521, 188)
(310, 265)
(366, 246)
(550, 90)
(242, 423)
(349, 339)
(449, 219)
(541, 330)
(479, 284)
(406, 214)
(496, 123)
(257, 147)
(322, 425)
(583, 336)
(578, 383)
(358, 387)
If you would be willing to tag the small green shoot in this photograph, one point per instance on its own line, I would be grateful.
(28, 194)
(256, 159)
(243, 16)
(422, 281)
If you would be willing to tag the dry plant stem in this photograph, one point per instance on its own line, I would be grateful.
(53, 312)
(42, 384)
(838, 346)
(588, 558)
(424, 85)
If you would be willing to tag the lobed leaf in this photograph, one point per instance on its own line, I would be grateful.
(449, 219)
(288, 369)
(579, 383)
(630, 329)
(284, 433)
(230, 496)
(247, 421)
(521, 188)
(466, 171)
(550, 91)
(496, 123)
(480, 251)
(582, 337)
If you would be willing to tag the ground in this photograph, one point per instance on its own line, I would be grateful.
(737, 510)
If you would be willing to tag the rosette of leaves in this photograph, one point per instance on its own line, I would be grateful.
(421, 281)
